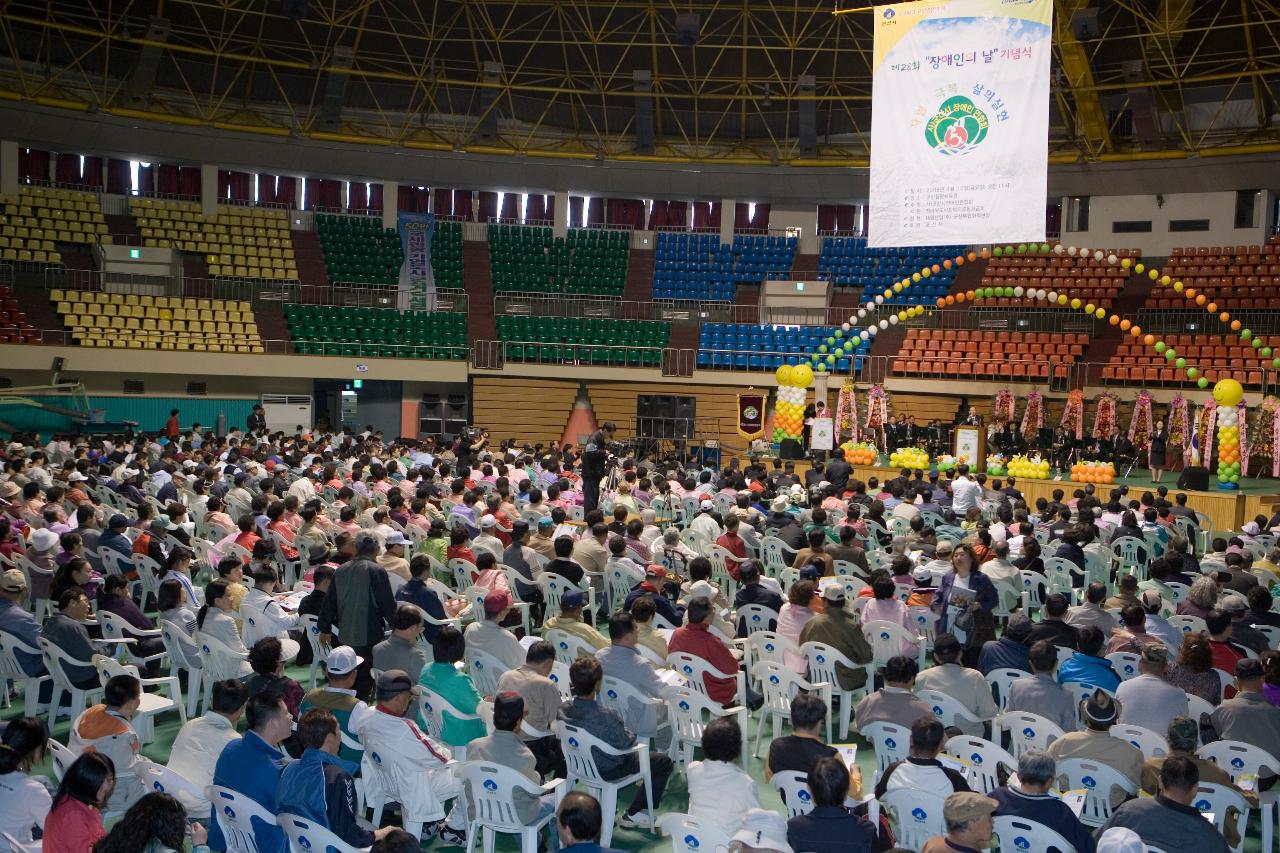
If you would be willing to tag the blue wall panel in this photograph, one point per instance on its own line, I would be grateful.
(149, 412)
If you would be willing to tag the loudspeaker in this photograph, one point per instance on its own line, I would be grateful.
(1195, 478)
(685, 410)
(790, 449)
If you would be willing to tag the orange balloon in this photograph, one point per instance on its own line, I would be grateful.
(946, 264)
(1200, 300)
(1235, 325)
(970, 294)
(1124, 325)
(1114, 319)
(1189, 292)
(936, 269)
(973, 256)
(959, 297)
(984, 254)
(1149, 340)
(951, 300)
(1135, 330)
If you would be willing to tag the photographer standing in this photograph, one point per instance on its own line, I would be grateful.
(594, 456)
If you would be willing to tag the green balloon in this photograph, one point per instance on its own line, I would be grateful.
(997, 252)
(856, 340)
(1266, 352)
(1192, 373)
(1275, 362)
(1008, 250)
(1169, 354)
(831, 359)
(1256, 343)
(1180, 363)
(838, 333)
(1160, 347)
(822, 348)
(822, 367)
(831, 342)
(1202, 382)
(1022, 247)
(1245, 334)
(1045, 249)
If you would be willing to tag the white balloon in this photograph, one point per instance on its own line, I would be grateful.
(871, 330)
(862, 312)
(1059, 249)
(1018, 291)
(1071, 250)
(871, 306)
(1053, 296)
(1042, 294)
(884, 324)
(844, 327)
(1083, 252)
(1097, 256)
(879, 299)
(893, 319)
(1111, 259)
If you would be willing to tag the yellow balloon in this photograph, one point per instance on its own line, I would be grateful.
(784, 375)
(802, 375)
(1228, 392)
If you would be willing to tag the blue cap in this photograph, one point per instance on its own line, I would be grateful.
(572, 600)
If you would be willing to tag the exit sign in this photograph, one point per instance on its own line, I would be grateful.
(135, 253)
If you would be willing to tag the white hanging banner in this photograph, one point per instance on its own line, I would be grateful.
(960, 122)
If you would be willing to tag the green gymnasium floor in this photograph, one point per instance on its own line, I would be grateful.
(675, 799)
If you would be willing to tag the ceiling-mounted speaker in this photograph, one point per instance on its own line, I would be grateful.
(688, 28)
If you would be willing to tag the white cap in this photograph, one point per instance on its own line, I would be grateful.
(342, 660)
(44, 540)
(76, 477)
(707, 505)
(488, 521)
(1119, 839)
(394, 538)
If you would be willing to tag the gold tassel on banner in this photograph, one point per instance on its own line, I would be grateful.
(751, 406)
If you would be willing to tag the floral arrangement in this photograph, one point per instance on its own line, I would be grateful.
(1033, 415)
(1178, 423)
(1206, 423)
(1104, 420)
(1141, 424)
(1266, 432)
(1005, 408)
(877, 407)
(1242, 423)
(1073, 414)
(946, 462)
(846, 412)
(996, 465)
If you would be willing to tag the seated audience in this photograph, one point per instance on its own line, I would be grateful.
(830, 827)
(1095, 742)
(443, 677)
(1030, 799)
(1041, 694)
(1168, 820)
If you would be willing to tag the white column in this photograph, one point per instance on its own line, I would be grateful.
(209, 190)
(727, 208)
(8, 166)
(390, 201)
(560, 221)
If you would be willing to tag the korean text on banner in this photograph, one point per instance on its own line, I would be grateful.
(751, 415)
(417, 284)
(960, 122)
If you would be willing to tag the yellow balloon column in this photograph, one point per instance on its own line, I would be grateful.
(1228, 393)
(788, 411)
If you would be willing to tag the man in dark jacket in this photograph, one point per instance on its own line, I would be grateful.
(361, 605)
(1010, 651)
(1052, 626)
(318, 786)
(786, 523)
(651, 586)
(753, 592)
(838, 472)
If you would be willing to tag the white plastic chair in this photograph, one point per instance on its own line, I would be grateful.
(1097, 780)
(57, 662)
(982, 758)
(627, 701)
(220, 663)
(1222, 801)
(553, 588)
(823, 661)
(485, 670)
(235, 814)
(793, 790)
(580, 747)
(116, 628)
(306, 836)
(1033, 583)
(1189, 624)
(319, 653)
(568, 647)
(157, 777)
(1027, 731)
(780, 687)
(695, 670)
(172, 636)
(756, 618)
(766, 645)
(1240, 759)
(1125, 663)
(618, 584)
(1131, 555)
(61, 756)
(11, 669)
(948, 709)
(151, 705)
(690, 835)
(690, 712)
(1017, 834)
(917, 816)
(886, 639)
(1150, 743)
(432, 707)
(17, 846)
(490, 792)
(1000, 680)
(891, 742)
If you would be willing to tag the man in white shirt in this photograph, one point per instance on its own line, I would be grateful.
(965, 493)
(486, 540)
(303, 488)
(705, 523)
(488, 635)
(1005, 575)
(1148, 700)
(200, 741)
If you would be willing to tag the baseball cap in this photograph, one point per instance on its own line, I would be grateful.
(44, 540)
(76, 477)
(810, 572)
(706, 506)
(762, 829)
(488, 521)
(13, 581)
(921, 574)
(834, 593)
(966, 805)
(1101, 708)
(1119, 839)
(496, 600)
(343, 660)
(572, 600)
(545, 521)
(393, 682)
(653, 570)
(10, 489)
(117, 521)
(944, 548)
(1233, 604)
(394, 538)
(1150, 599)
(1155, 653)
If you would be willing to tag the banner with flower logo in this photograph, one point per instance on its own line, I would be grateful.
(751, 407)
(959, 115)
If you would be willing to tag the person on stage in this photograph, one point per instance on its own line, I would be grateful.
(1158, 451)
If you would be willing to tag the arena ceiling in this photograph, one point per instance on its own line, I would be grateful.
(751, 82)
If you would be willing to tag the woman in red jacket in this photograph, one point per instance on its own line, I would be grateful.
(74, 823)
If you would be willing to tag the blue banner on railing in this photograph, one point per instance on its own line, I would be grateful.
(417, 289)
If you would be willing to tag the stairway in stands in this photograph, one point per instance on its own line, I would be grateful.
(124, 225)
(639, 284)
(477, 281)
(29, 288)
(272, 326)
(804, 267)
(1103, 345)
(312, 272)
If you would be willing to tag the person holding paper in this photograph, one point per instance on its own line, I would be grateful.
(1031, 800)
(830, 827)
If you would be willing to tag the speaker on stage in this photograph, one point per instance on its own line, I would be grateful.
(1194, 477)
(790, 449)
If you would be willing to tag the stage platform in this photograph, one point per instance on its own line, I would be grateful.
(1228, 510)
